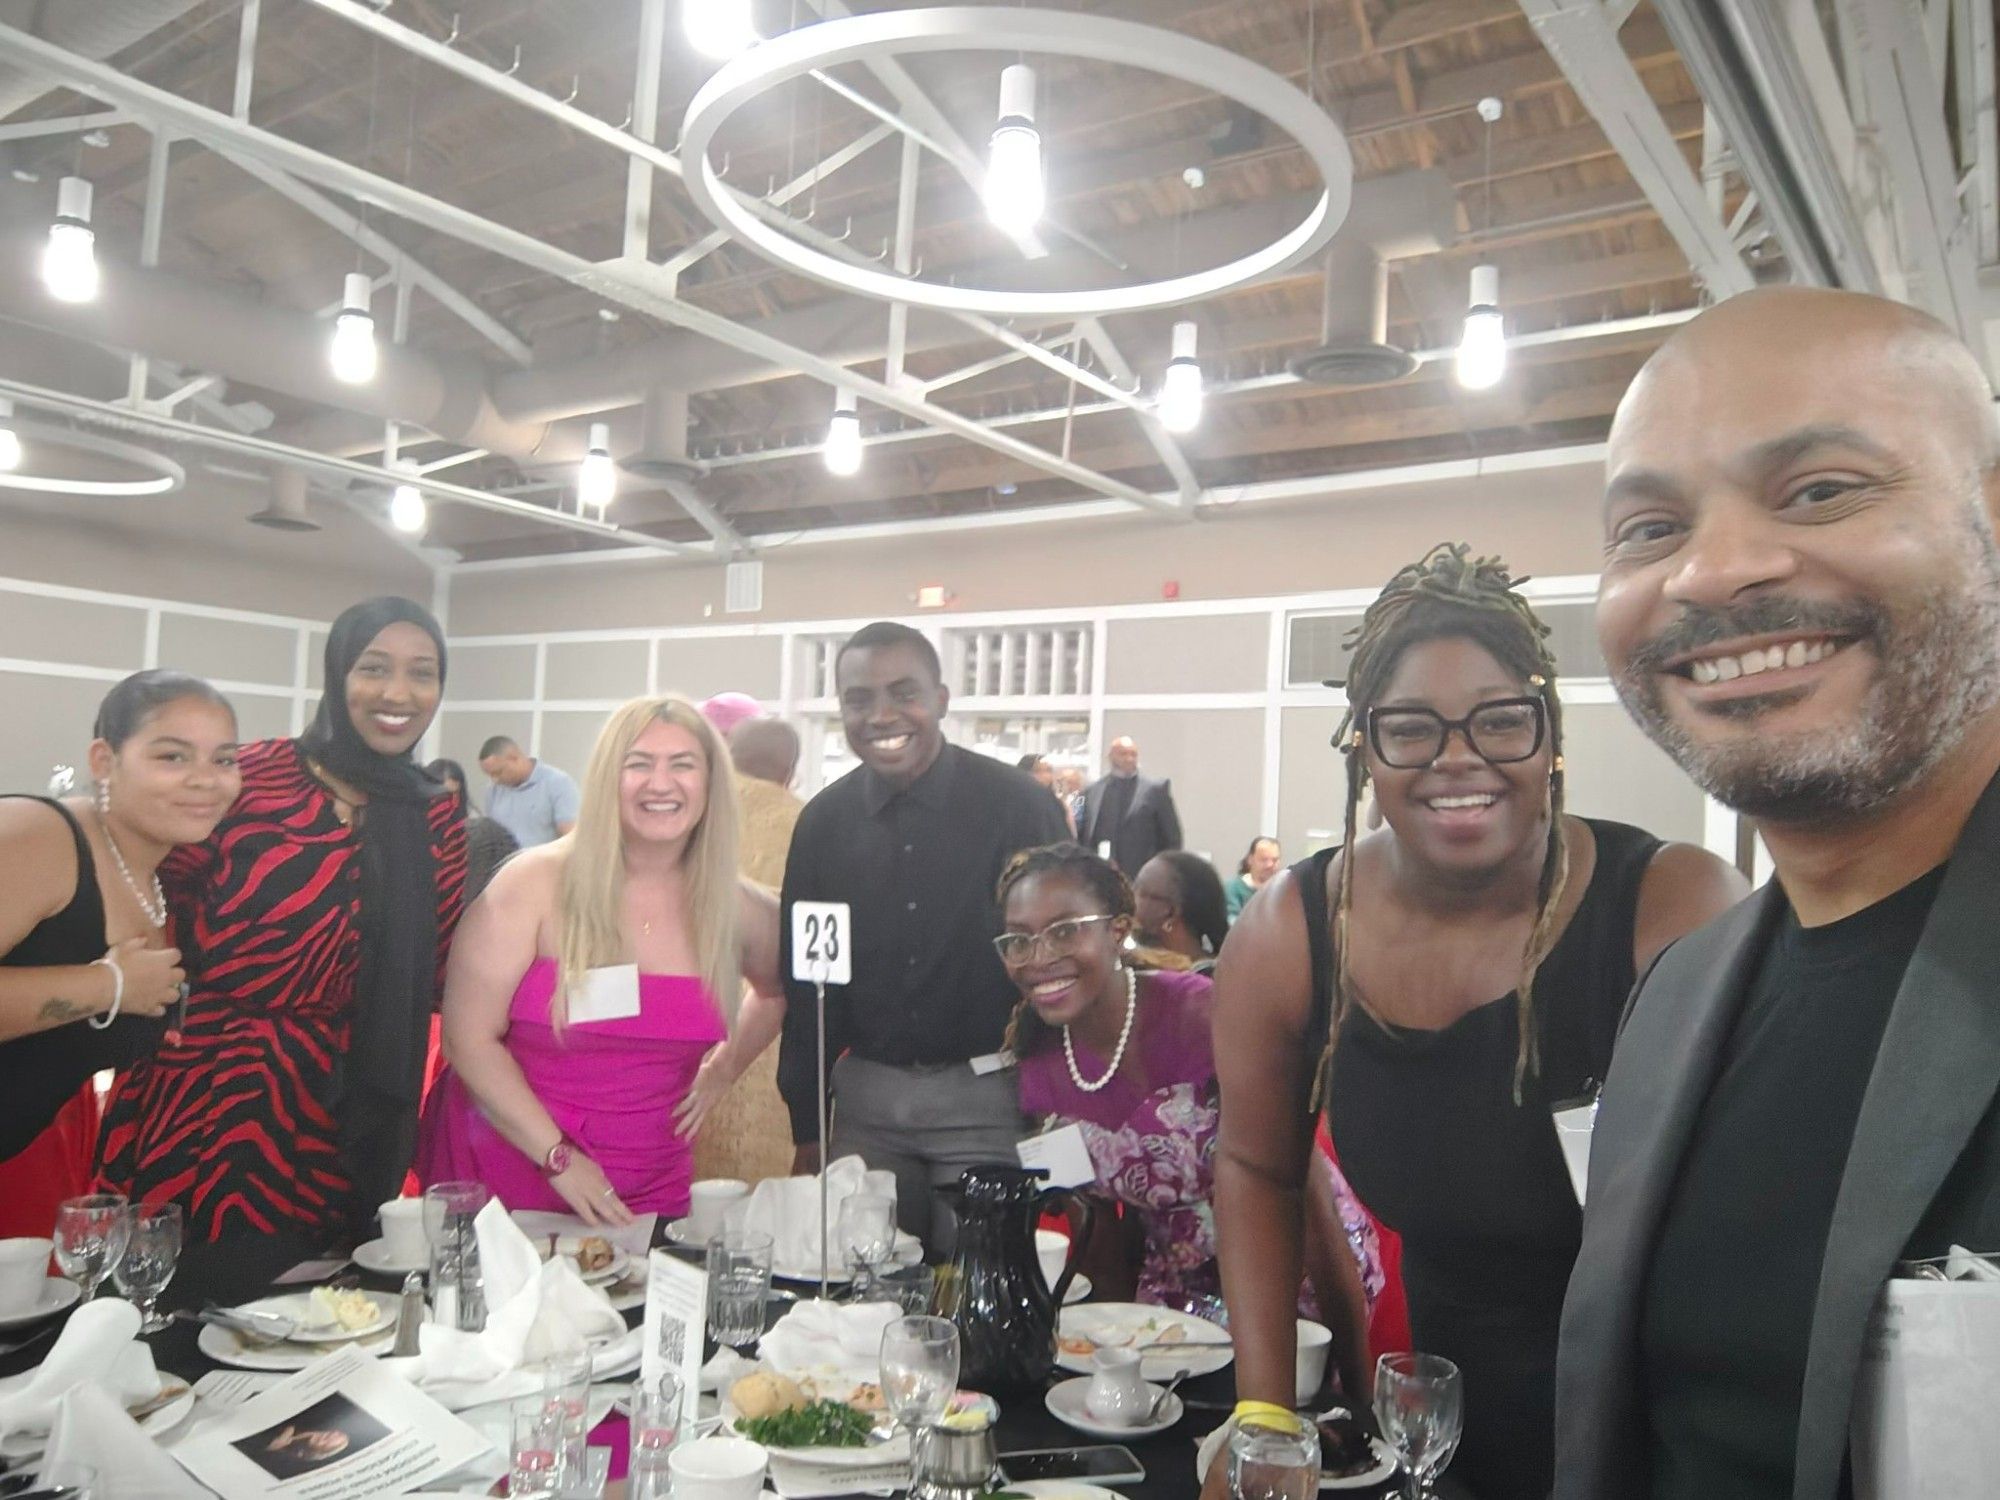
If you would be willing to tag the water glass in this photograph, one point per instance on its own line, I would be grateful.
(739, 1286)
(457, 1290)
(919, 1369)
(655, 1428)
(865, 1235)
(90, 1238)
(1420, 1407)
(566, 1396)
(535, 1456)
(911, 1288)
(151, 1254)
(1270, 1463)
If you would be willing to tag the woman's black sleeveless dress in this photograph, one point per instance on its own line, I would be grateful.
(1431, 1140)
(41, 1071)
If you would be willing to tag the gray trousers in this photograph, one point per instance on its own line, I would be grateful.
(927, 1125)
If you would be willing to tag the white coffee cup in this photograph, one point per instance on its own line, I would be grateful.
(708, 1201)
(1052, 1250)
(1117, 1393)
(403, 1237)
(717, 1468)
(1315, 1348)
(24, 1266)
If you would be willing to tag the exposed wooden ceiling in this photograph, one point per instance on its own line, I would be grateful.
(1544, 196)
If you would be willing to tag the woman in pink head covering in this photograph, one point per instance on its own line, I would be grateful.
(726, 710)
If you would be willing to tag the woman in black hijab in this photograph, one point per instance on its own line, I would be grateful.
(315, 923)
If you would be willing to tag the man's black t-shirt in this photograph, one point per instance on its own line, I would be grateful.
(1729, 1301)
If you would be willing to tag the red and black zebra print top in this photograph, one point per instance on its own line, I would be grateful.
(235, 1121)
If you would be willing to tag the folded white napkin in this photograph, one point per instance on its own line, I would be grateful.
(533, 1309)
(787, 1209)
(836, 1346)
(91, 1429)
(98, 1347)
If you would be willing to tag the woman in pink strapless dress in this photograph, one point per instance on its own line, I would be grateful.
(584, 1020)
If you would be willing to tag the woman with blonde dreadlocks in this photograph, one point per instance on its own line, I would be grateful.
(1437, 987)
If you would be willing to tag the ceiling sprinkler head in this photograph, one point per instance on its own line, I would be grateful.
(1195, 178)
(1490, 109)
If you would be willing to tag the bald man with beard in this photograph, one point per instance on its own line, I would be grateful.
(1801, 604)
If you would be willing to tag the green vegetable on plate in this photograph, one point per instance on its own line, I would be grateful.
(820, 1424)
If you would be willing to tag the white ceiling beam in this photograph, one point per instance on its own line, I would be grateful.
(652, 42)
(1885, 45)
(378, 244)
(692, 501)
(1161, 441)
(639, 286)
(30, 130)
(1580, 36)
(1972, 48)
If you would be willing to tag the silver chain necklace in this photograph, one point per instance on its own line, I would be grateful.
(155, 910)
(1124, 1036)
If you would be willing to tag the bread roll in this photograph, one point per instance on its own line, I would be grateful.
(765, 1393)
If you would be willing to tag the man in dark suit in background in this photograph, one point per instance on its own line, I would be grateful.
(1133, 814)
(1801, 604)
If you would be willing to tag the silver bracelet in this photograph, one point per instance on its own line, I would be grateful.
(103, 1022)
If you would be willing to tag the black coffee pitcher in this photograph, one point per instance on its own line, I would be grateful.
(993, 1290)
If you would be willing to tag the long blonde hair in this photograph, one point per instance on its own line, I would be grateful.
(590, 904)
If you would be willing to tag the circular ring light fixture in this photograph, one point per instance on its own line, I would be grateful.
(160, 475)
(826, 44)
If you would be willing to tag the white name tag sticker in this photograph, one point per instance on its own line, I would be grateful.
(1104, 848)
(1063, 1153)
(991, 1062)
(822, 942)
(607, 994)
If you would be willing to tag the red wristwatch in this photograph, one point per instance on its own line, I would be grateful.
(560, 1155)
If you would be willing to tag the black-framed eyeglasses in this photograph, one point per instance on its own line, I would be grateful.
(1061, 939)
(1500, 732)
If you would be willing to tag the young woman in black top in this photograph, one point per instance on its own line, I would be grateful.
(1367, 985)
(87, 965)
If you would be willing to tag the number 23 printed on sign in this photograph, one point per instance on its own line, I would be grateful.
(821, 942)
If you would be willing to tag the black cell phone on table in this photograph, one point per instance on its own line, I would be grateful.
(1105, 1464)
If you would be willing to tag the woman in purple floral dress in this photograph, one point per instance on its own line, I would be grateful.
(1125, 1055)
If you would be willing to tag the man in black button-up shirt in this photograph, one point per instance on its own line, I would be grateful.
(914, 841)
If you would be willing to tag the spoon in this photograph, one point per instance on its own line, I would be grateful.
(1160, 1401)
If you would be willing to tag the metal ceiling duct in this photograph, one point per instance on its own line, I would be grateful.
(1410, 213)
(97, 29)
(287, 508)
(662, 452)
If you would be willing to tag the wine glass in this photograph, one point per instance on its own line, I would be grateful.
(1420, 1407)
(865, 1232)
(919, 1370)
(151, 1254)
(90, 1238)
(1274, 1463)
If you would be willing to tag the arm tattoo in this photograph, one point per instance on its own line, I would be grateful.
(56, 1009)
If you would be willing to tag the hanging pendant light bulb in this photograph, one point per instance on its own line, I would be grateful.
(1180, 390)
(352, 351)
(597, 476)
(407, 511)
(10, 440)
(1482, 349)
(718, 28)
(843, 437)
(1014, 192)
(69, 264)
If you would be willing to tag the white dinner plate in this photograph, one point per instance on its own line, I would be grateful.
(909, 1252)
(1066, 1405)
(300, 1305)
(374, 1256)
(1064, 1489)
(605, 1274)
(226, 1347)
(57, 1293)
(1385, 1464)
(1167, 1339)
(172, 1406)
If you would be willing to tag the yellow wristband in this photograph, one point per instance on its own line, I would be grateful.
(1268, 1414)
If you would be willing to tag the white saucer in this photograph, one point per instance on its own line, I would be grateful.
(1065, 1403)
(58, 1292)
(374, 1256)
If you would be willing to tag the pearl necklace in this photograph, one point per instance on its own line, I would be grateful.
(1124, 1036)
(155, 910)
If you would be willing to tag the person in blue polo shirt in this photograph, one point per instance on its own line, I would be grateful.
(533, 801)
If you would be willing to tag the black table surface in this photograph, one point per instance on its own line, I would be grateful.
(241, 1271)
